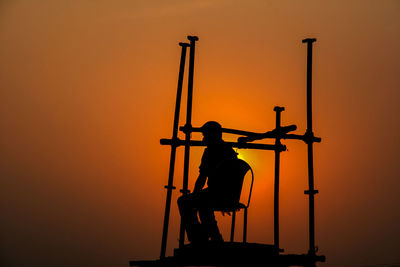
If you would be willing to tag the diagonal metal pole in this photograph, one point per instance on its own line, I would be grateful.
(185, 191)
(170, 185)
(310, 140)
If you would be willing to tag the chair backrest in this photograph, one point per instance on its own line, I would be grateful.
(229, 176)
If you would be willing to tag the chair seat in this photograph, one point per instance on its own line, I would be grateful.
(235, 207)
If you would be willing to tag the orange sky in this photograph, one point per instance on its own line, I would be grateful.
(87, 89)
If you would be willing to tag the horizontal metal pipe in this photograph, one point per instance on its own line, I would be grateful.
(178, 142)
(224, 130)
(278, 132)
(304, 138)
(282, 133)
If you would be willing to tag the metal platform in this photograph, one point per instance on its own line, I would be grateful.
(231, 254)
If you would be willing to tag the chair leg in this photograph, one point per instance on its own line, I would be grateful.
(233, 225)
(245, 226)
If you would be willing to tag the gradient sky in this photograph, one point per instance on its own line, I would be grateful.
(87, 89)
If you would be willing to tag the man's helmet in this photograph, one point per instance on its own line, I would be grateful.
(212, 129)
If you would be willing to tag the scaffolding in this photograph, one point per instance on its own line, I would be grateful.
(237, 253)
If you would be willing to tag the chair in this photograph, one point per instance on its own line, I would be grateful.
(231, 175)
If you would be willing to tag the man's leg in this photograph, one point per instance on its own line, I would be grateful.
(210, 224)
(207, 217)
(188, 209)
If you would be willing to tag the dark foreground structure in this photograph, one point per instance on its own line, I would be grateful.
(237, 253)
(232, 254)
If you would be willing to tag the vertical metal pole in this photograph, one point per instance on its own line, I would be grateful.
(233, 226)
(309, 134)
(245, 225)
(184, 191)
(278, 111)
(170, 186)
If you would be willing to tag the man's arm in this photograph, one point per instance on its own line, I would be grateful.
(200, 182)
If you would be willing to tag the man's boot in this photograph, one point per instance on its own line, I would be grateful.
(214, 234)
(198, 235)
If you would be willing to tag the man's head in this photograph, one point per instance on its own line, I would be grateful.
(212, 132)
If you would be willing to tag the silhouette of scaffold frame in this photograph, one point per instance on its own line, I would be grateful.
(236, 253)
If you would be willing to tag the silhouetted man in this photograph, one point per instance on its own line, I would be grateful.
(202, 200)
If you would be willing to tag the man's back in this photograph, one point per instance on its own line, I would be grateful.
(212, 157)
